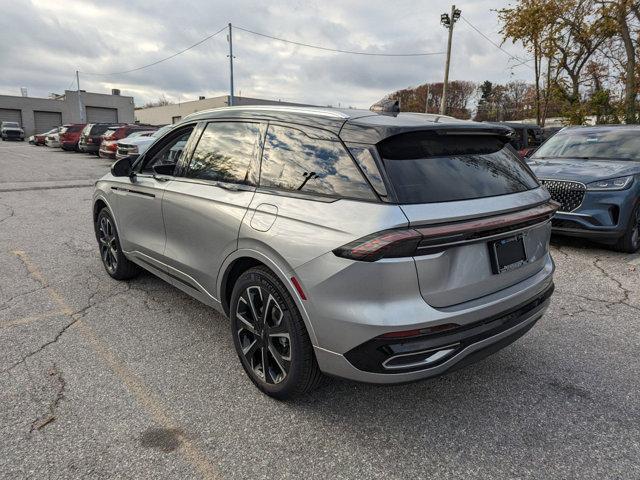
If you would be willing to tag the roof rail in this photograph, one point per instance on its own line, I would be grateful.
(320, 111)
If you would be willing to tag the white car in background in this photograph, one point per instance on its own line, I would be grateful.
(53, 139)
(138, 144)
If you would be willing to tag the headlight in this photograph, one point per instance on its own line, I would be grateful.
(619, 183)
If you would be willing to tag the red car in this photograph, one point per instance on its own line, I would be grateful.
(40, 138)
(109, 144)
(69, 139)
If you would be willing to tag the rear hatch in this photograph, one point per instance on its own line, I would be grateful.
(452, 180)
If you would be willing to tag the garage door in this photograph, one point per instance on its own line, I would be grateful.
(9, 115)
(45, 121)
(102, 115)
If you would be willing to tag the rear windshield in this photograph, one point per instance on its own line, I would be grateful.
(604, 144)
(75, 128)
(425, 167)
(99, 129)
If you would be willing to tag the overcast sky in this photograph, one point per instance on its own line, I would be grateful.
(43, 42)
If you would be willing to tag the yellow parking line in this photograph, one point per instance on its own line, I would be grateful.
(33, 318)
(143, 395)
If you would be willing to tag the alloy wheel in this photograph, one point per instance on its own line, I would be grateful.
(263, 335)
(635, 236)
(108, 244)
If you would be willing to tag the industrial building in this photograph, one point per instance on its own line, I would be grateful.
(175, 112)
(38, 115)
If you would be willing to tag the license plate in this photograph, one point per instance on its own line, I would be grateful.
(508, 254)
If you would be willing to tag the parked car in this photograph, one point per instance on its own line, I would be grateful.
(53, 139)
(91, 137)
(71, 136)
(527, 137)
(40, 138)
(32, 140)
(109, 146)
(548, 132)
(594, 173)
(375, 247)
(138, 145)
(11, 131)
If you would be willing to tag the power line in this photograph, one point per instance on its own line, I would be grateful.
(518, 59)
(337, 50)
(159, 61)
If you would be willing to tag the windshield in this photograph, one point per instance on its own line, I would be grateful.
(597, 144)
(11, 124)
(425, 168)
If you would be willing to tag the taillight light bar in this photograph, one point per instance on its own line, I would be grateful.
(421, 240)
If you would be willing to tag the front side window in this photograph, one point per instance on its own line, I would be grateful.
(297, 162)
(225, 153)
(170, 152)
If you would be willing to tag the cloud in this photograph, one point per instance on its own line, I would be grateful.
(49, 40)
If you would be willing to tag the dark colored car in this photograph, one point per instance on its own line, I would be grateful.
(91, 136)
(71, 136)
(109, 145)
(526, 139)
(594, 173)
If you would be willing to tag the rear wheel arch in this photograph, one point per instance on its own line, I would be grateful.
(243, 260)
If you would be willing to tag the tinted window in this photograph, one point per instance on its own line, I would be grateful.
(425, 168)
(295, 161)
(99, 129)
(170, 152)
(613, 143)
(225, 151)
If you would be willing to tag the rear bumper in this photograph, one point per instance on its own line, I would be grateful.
(88, 147)
(106, 154)
(369, 362)
(69, 145)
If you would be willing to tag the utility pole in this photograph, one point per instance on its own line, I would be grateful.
(230, 38)
(80, 109)
(448, 21)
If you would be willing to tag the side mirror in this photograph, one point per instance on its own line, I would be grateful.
(123, 167)
(164, 169)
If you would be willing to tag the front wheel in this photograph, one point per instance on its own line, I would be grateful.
(114, 261)
(270, 336)
(630, 241)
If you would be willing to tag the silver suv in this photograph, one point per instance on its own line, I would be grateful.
(380, 248)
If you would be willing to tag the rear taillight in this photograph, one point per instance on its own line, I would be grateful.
(409, 242)
(388, 244)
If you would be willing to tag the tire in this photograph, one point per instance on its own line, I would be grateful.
(281, 341)
(115, 263)
(630, 241)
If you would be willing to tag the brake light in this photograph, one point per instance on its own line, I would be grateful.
(388, 244)
(409, 241)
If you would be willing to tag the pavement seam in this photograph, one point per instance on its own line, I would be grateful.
(143, 395)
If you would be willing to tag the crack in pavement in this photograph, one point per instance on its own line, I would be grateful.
(625, 291)
(48, 417)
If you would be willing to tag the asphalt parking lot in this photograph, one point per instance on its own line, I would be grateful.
(105, 379)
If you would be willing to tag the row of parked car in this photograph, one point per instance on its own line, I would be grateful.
(107, 140)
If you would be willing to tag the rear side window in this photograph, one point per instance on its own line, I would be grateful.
(425, 167)
(294, 160)
(225, 152)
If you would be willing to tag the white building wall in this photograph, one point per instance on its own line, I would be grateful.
(168, 113)
(67, 106)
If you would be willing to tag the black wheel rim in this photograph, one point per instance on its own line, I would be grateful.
(635, 236)
(108, 244)
(263, 335)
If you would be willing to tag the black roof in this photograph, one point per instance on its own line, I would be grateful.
(352, 125)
